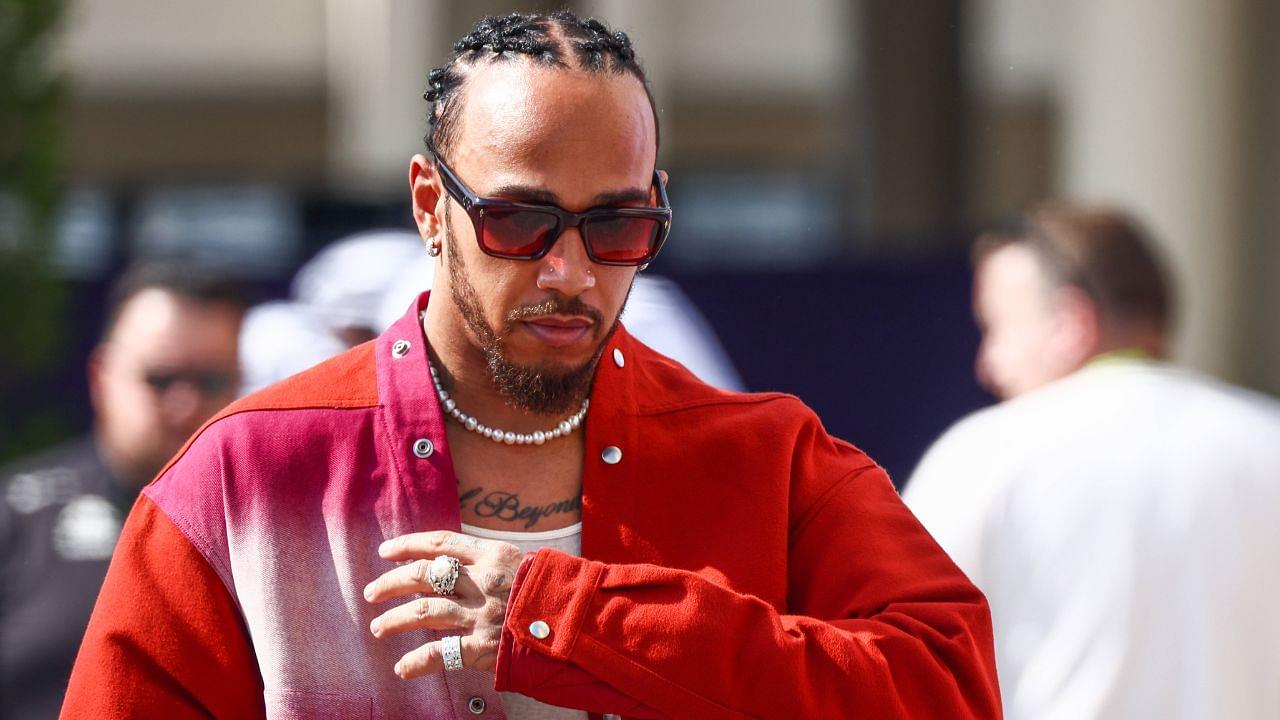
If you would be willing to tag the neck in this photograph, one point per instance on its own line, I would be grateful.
(1132, 341)
(124, 474)
(464, 373)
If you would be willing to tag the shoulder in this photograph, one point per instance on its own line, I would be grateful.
(974, 437)
(665, 387)
(1221, 399)
(345, 382)
(965, 471)
(765, 454)
(1021, 426)
(271, 446)
(1178, 405)
(761, 435)
(348, 380)
(666, 391)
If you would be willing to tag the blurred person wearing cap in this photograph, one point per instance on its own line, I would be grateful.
(166, 363)
(506, 505)
(280, 338)
(1118, 511)
(335, 303)
(345, 283)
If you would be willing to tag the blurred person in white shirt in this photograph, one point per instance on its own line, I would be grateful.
(334, 305)
(1116, 510)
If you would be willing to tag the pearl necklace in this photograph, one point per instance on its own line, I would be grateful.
(566, 426)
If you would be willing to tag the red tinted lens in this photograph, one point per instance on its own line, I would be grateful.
(517, 232)
(621, 238)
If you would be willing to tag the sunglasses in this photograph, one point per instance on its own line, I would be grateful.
(527, 231)
(207, 383)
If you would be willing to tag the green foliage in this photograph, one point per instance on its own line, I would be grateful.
(32, 299)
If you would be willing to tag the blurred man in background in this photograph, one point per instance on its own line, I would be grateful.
(167, 361)
(1117, 511)
(1064, 289)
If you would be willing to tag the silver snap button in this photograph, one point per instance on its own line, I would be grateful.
(539, 629)
(475, 706)
(422, 447)
(400, 348)
(618, 359)
(612, 455)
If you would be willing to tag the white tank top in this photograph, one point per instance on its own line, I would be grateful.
(567, 540)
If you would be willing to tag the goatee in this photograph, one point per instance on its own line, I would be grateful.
(544, 389)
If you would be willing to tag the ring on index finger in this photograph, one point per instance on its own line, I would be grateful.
(443, 574)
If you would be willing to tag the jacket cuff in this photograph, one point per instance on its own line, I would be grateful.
(550, 588)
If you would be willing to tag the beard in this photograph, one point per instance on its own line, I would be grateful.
(546, 388)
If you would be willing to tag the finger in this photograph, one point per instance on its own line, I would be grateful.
(434, 613)
(478, 652)
(414, 577)
(433, 543)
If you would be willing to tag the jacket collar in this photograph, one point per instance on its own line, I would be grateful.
(417, 447)
(412, 413)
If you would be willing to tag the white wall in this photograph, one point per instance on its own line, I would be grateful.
(203, 47)
(787, 51)
(1154, 117)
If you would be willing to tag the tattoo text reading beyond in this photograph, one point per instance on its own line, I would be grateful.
(506, 506)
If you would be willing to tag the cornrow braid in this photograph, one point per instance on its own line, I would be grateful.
(594, 41)
(504, 38)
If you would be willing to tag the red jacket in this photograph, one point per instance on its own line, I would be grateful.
(738, 562)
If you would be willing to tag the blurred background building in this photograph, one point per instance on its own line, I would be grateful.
(830, 161)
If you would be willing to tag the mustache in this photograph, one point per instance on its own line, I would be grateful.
(555, 305)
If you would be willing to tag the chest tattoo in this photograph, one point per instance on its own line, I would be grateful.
(506, 506)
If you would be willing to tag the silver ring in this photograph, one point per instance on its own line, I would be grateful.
(442, 573)
(451, 651)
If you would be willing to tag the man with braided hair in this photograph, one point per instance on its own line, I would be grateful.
(505, 498)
